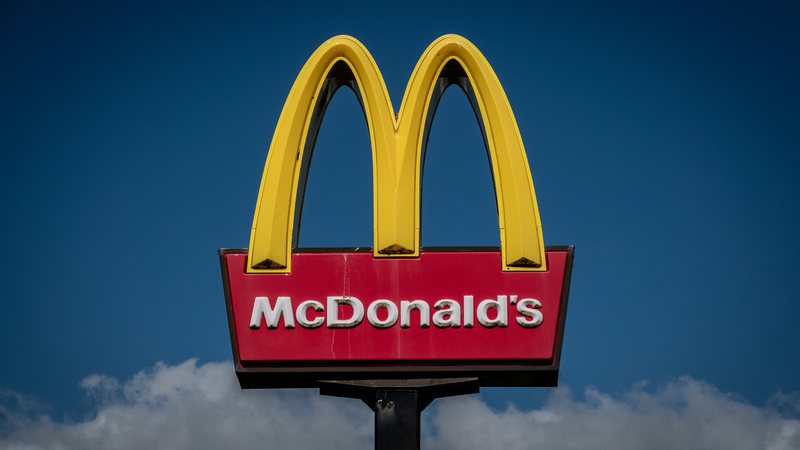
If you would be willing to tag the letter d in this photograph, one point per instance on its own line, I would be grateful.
(501, 305)
(333, 312)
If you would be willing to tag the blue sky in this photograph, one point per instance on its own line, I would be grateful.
(662, 139)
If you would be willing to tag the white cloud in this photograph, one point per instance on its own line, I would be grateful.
(191, 406)
(684, 414)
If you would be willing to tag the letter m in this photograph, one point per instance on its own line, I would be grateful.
(262, 308)
(398, 149)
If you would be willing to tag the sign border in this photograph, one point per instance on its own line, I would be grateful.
(315, 374)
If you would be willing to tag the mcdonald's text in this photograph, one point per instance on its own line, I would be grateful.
(347, 312)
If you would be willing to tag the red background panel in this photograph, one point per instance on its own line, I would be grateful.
(433, 276)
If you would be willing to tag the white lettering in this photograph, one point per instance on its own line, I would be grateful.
(302, 314)
(469, 312)
(501, 305)
(348, 312)
(333, 312)
(533, 318)
(262, 308)
(391, 311)
(449, 314)
(405, 313)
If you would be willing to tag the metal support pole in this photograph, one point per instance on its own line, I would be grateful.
(397, 414)
(398, 403)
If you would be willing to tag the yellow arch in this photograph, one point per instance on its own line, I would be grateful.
(397, 145)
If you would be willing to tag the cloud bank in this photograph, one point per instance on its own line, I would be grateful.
(191, 406)
(684, 414)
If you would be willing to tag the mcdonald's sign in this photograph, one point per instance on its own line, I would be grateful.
(300, 317)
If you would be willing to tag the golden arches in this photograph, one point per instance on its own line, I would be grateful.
(397, 144)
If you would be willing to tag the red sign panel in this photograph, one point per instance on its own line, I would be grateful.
(347, 315)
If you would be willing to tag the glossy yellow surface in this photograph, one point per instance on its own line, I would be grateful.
(396, 151)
